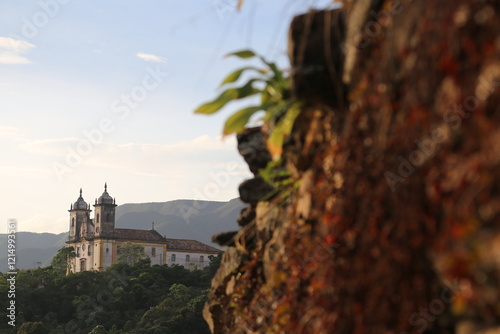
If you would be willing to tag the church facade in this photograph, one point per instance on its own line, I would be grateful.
(98, 243)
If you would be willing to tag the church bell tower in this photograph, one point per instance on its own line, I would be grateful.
(104, 217)
(79, 225)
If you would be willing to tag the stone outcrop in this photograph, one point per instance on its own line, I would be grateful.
(394, 223)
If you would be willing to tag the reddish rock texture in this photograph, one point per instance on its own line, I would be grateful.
(395, 226)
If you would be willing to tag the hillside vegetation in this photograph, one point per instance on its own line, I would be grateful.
(139, 299)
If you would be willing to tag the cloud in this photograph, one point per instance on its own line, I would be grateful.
(181, 158)
(13, 133)
(60, 146)
(25, 171)
(50, 147)
(159, 160)
(12, 49)
(151, 58)
(201, 168)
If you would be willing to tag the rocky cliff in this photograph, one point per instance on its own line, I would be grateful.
(393, 222)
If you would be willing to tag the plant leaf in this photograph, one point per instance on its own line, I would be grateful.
(281, 131)
(218, 103)
(286, 124)
(242, 54)
(278, 75)
(247, 89)
(239, 119)
(236, 74)
(275, 110)
(227, 96)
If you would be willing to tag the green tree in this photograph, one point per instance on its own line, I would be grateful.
(135, 299)
(214, 265)
(36, 327)
(180, 312)
(131, 253)
(61, 263)
(99, 330)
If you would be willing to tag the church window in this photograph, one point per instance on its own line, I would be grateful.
(202, 259)
(107, 250)
(107, 217)
(187, 258)
(173, 258)
(97, 219)
(153, 251)
(83, 247)
(72, 222)
(78, 251)
(83, 266)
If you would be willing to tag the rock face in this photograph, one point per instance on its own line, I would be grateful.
(395, 224)
(252, 148)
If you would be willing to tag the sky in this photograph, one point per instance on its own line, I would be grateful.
(104, 91)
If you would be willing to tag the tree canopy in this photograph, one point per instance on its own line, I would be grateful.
(138, 299)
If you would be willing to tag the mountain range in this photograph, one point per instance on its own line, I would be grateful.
(181, 219)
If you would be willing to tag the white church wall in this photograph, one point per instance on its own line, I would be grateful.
(107, 254)
(84, 258)
(196, 260)
(157, 255)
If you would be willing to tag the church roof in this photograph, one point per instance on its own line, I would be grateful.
(133, 234)
(189, 245)
(172, 244)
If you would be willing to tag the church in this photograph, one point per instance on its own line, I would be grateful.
(98, 244)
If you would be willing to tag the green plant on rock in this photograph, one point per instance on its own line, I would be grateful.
(280, 178)
(280, 110)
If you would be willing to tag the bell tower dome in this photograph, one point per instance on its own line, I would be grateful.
(79, 214)
(104, 218)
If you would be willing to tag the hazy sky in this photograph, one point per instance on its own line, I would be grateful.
(103, 91)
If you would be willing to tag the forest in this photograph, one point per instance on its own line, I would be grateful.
(135, 299)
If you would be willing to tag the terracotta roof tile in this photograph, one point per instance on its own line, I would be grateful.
(172, 244)
(189, 245)
(144, 235)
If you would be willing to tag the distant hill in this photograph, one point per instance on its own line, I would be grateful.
(32, 248)
(183, 219)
